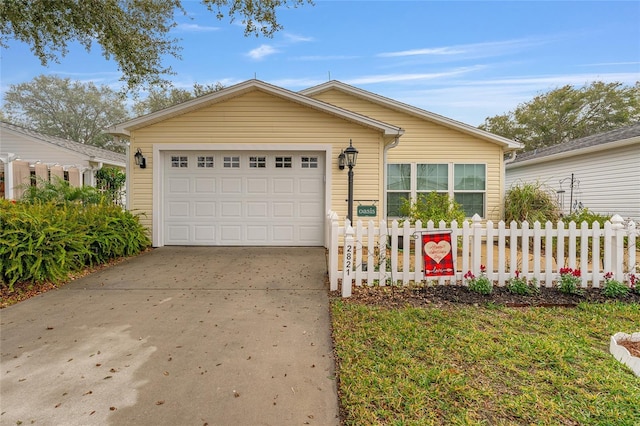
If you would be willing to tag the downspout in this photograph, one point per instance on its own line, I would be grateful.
(395, 143)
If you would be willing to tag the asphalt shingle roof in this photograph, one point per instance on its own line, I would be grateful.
(88, 150)
(586, 142)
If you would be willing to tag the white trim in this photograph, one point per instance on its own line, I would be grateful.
(158, 170)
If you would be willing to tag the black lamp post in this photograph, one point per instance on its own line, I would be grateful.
(350, 156)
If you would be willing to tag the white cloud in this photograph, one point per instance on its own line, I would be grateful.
(324, 58)
(262, 52)
(195, 28)
(295, 38)
(395, 78)
(493, 48)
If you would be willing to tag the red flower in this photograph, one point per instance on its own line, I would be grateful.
(483, 268)
(517, 274)
(608, 275)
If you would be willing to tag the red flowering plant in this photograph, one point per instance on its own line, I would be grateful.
(480, 284)
(519, 285)
(569, 281)
(633, 282)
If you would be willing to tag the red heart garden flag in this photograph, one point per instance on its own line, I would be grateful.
(438, 257)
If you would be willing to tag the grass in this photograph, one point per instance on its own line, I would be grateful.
(484, 365)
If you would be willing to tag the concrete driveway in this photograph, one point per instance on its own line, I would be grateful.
(176, 336)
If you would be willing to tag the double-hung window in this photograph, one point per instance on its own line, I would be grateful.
(465, 183)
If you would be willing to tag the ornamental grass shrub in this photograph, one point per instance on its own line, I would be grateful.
(531, 202)
(47, 241)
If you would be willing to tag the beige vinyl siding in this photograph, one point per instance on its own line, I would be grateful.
(261, 118)
(609, 179)
(428, 142)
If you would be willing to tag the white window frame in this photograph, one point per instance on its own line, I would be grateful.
(413, 191)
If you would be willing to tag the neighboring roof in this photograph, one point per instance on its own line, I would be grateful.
(92, 152)
(123, 129)
(622, 136)
(426, 115)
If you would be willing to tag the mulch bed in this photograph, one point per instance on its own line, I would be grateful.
(395, 297)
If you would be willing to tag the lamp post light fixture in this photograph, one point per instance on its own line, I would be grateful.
(350, 157)
(140, 160)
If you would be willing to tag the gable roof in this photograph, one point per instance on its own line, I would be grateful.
(508, 144)
(618, 137)
(93, 153)
(123, 129)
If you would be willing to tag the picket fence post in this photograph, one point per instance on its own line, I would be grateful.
(347, 260)
(333, 250)
(617, 247)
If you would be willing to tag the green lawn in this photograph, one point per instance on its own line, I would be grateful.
(484, 365)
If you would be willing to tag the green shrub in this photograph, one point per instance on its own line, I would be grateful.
(60, 192)
(531, 202)
(584, 215)
(47, 241)
(613, 288)
(432, 206)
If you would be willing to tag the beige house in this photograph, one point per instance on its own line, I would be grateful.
(256, 164)
(26, 154)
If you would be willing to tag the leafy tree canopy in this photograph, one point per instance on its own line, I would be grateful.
(164, 97)
(68, 109)
(135, 33)
(568, 113)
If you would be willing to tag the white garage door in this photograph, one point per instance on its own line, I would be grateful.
(243, 198)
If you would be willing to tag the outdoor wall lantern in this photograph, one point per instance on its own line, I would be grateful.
(140, 160)
(350, 156)
(341, 160)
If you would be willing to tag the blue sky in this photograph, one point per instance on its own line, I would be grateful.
(463, 60)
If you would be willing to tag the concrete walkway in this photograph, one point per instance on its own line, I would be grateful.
(176, 336)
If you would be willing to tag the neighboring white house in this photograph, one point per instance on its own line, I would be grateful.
(599, 172)
(25, 153)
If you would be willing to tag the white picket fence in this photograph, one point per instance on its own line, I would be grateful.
(369, 253)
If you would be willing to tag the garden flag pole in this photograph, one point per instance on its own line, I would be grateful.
(437, 253)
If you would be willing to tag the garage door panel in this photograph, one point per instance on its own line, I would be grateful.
(257, 233)
(258, 209)
(179, 185)
(283, 233)
(231, 209)
(205, 209)
(285, 210)
(311, 186)
(205, 186)
(283, 185)
(231, 186)
(309, 234)
(179, 209)
(205, 234)
(257, 186)
(309, 209)
(231, 233)
(233, 203)
(178, 233)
